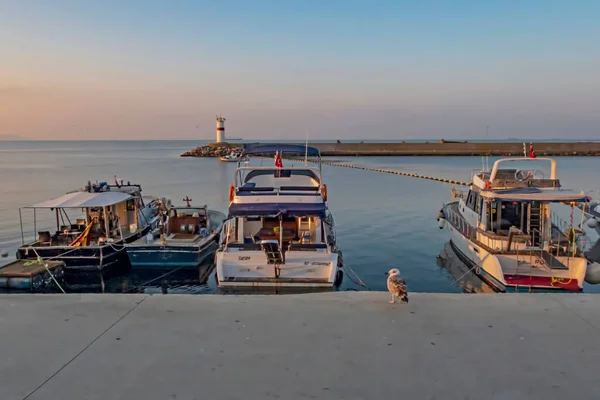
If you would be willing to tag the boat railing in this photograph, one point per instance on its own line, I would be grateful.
(241, 172)
(459, 223)
(270, 190)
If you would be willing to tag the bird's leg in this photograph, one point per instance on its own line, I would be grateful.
(393, 300)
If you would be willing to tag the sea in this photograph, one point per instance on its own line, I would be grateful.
(383, 221)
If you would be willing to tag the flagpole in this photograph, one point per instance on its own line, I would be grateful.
(306, 149)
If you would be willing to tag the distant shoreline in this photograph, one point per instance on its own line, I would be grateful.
(441, 148)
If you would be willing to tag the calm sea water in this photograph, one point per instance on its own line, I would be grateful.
(382, 220)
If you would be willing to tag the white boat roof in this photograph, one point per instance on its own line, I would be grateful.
(534, 194)
(84, 200)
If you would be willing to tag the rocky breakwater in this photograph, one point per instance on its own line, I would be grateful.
(214, 150)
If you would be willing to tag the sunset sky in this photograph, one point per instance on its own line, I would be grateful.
(277, 69)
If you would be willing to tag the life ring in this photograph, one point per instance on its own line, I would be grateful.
(324, 192)
(488, 185)
(231, 192)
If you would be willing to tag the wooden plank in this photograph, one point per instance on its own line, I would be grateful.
(27, 268)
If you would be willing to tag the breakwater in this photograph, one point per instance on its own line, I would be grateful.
(441, 148)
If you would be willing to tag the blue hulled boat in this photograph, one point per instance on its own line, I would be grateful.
(185, 237)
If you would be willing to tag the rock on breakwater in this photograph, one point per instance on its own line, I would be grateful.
(213, 150)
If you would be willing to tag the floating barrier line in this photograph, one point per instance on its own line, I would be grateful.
(386, 171)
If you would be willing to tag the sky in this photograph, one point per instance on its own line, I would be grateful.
(147, 69)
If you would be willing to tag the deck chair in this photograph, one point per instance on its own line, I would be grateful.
(249, 239)
(305, 237)
(44, 238)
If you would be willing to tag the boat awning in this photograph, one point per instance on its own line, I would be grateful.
(84, 200)
(270, 149)
(534, 194)
(273, 209)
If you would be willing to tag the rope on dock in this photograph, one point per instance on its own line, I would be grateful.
(387, 171)
(360, 282)
(41, 261)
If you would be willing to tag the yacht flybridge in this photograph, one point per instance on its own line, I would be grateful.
(279, 231)
(505, 230)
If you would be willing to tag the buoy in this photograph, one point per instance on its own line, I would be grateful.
(592, 223)
(4, 254)
(592, 274)
(231, 192)
(324, 192)
(442, 223)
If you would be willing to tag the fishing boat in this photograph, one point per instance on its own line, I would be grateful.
(504, 227)
(185, 237)
(280, 231)
(108, 218)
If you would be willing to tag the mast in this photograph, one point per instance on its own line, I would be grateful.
(306, 150)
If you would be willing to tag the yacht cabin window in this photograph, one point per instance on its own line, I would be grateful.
(472, 200)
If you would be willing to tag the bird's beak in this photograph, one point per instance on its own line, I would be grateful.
(387, 273)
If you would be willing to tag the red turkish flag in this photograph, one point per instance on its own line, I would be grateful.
(278, 162)
(531, 152)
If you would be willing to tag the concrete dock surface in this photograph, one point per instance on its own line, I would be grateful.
(339, 345)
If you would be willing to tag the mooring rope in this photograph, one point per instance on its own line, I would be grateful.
(385, 171)
(360, 282)
(41, 261)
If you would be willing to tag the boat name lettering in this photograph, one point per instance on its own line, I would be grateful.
(243, 258)
(319, 263)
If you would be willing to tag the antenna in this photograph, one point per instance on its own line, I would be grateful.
(306, 149)
(487, 137)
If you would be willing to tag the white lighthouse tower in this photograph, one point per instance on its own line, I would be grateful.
(220, 129)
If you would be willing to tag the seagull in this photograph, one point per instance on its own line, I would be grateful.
(397, 286)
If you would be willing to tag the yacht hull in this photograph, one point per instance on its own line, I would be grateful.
(83, 259)
(489, 267)
(251, 269)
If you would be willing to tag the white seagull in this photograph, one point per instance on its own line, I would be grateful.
(397, 286)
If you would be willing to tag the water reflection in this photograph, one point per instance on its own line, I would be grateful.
(149, 281)
(460, 272)
(274, 290)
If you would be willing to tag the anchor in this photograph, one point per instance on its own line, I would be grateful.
(187, 200)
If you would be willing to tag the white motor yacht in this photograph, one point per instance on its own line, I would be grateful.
(504, 228)
(279, 231)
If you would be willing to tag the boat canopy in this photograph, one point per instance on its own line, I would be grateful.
(534, 194)
(270, 149)
(274, 209)
(84, 200)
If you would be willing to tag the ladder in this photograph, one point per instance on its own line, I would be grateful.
(272, 251)
(534, 222)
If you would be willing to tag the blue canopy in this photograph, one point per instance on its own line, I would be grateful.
(272, 209)
(270, 149)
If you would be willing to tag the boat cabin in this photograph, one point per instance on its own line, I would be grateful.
(306, 231)
(505, 204)
(87, 218)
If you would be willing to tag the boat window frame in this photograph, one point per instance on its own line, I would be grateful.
(472, 200)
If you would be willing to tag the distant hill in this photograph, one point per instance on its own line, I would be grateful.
(10, 137)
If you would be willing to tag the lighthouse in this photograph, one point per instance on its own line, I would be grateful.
(220, 129)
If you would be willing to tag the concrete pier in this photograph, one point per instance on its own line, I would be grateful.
(342, 345)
